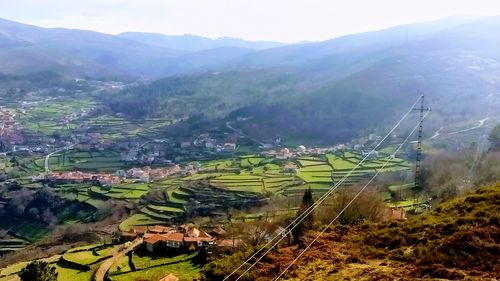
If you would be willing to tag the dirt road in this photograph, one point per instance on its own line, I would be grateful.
(106, 265)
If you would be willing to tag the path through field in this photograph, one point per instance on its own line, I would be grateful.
(46, 164)
(106, 265)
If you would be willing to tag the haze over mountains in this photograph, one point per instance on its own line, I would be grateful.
(26, 48)
(328, 90)
(193, 43)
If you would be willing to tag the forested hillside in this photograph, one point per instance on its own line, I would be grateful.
(335, 90)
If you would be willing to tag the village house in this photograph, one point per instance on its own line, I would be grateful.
(290, 168)
(218, 231)
(229, 146)
(121, 173)
(284, 154)
(160, 238)
(147, 174)
(139, 174)
(301, 149)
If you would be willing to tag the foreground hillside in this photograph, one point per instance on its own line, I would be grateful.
(458, 240)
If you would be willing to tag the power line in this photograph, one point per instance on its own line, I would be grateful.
(308, 211)
(350, 202)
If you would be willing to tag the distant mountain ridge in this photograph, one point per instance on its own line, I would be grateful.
(193, 43)
(27, 49)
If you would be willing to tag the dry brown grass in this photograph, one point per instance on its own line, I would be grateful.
(459, 240)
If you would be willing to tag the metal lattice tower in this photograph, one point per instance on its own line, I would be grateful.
(418, 158)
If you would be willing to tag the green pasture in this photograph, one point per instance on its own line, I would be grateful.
(88, 256)
(104, 161)
(154, 268)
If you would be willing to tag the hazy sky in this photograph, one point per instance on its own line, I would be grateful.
(280, 20)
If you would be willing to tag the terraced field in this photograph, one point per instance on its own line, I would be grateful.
(250, 176)
(12, 245)
(45, 117)
(124, 191)
(111, 127)
(321, 172)
(105, 161)
(29, 230)
(225, 181)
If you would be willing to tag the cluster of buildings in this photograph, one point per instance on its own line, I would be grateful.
(78, 177)
(182, 238)
(8, 126)
(66, 120)
(286, 153)
(212, 144)
(91, 141)
(147, 174)
(301, 150)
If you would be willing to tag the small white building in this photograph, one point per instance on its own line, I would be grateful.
(37, 178)
(301, 149)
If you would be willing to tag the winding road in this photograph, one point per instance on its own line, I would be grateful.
(239, 132)
(479, 125)
(117, 255)
(46, 164)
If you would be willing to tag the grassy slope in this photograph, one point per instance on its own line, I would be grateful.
(457, 240)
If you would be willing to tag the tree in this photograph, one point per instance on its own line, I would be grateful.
(307, 222)
(223, 265)
(495, 138)
(38, 271)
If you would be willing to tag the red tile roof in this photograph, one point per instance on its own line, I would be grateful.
(161, 229)
(139, 229)
(229, 243)
(153, 239)
(179, 237)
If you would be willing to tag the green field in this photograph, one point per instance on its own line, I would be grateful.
(10, 273)
(30, 230)
(89, 256)
(46, 117)
(154, 268)
(103, 161)
(125, 191)
(147, 267)
(339, 163)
